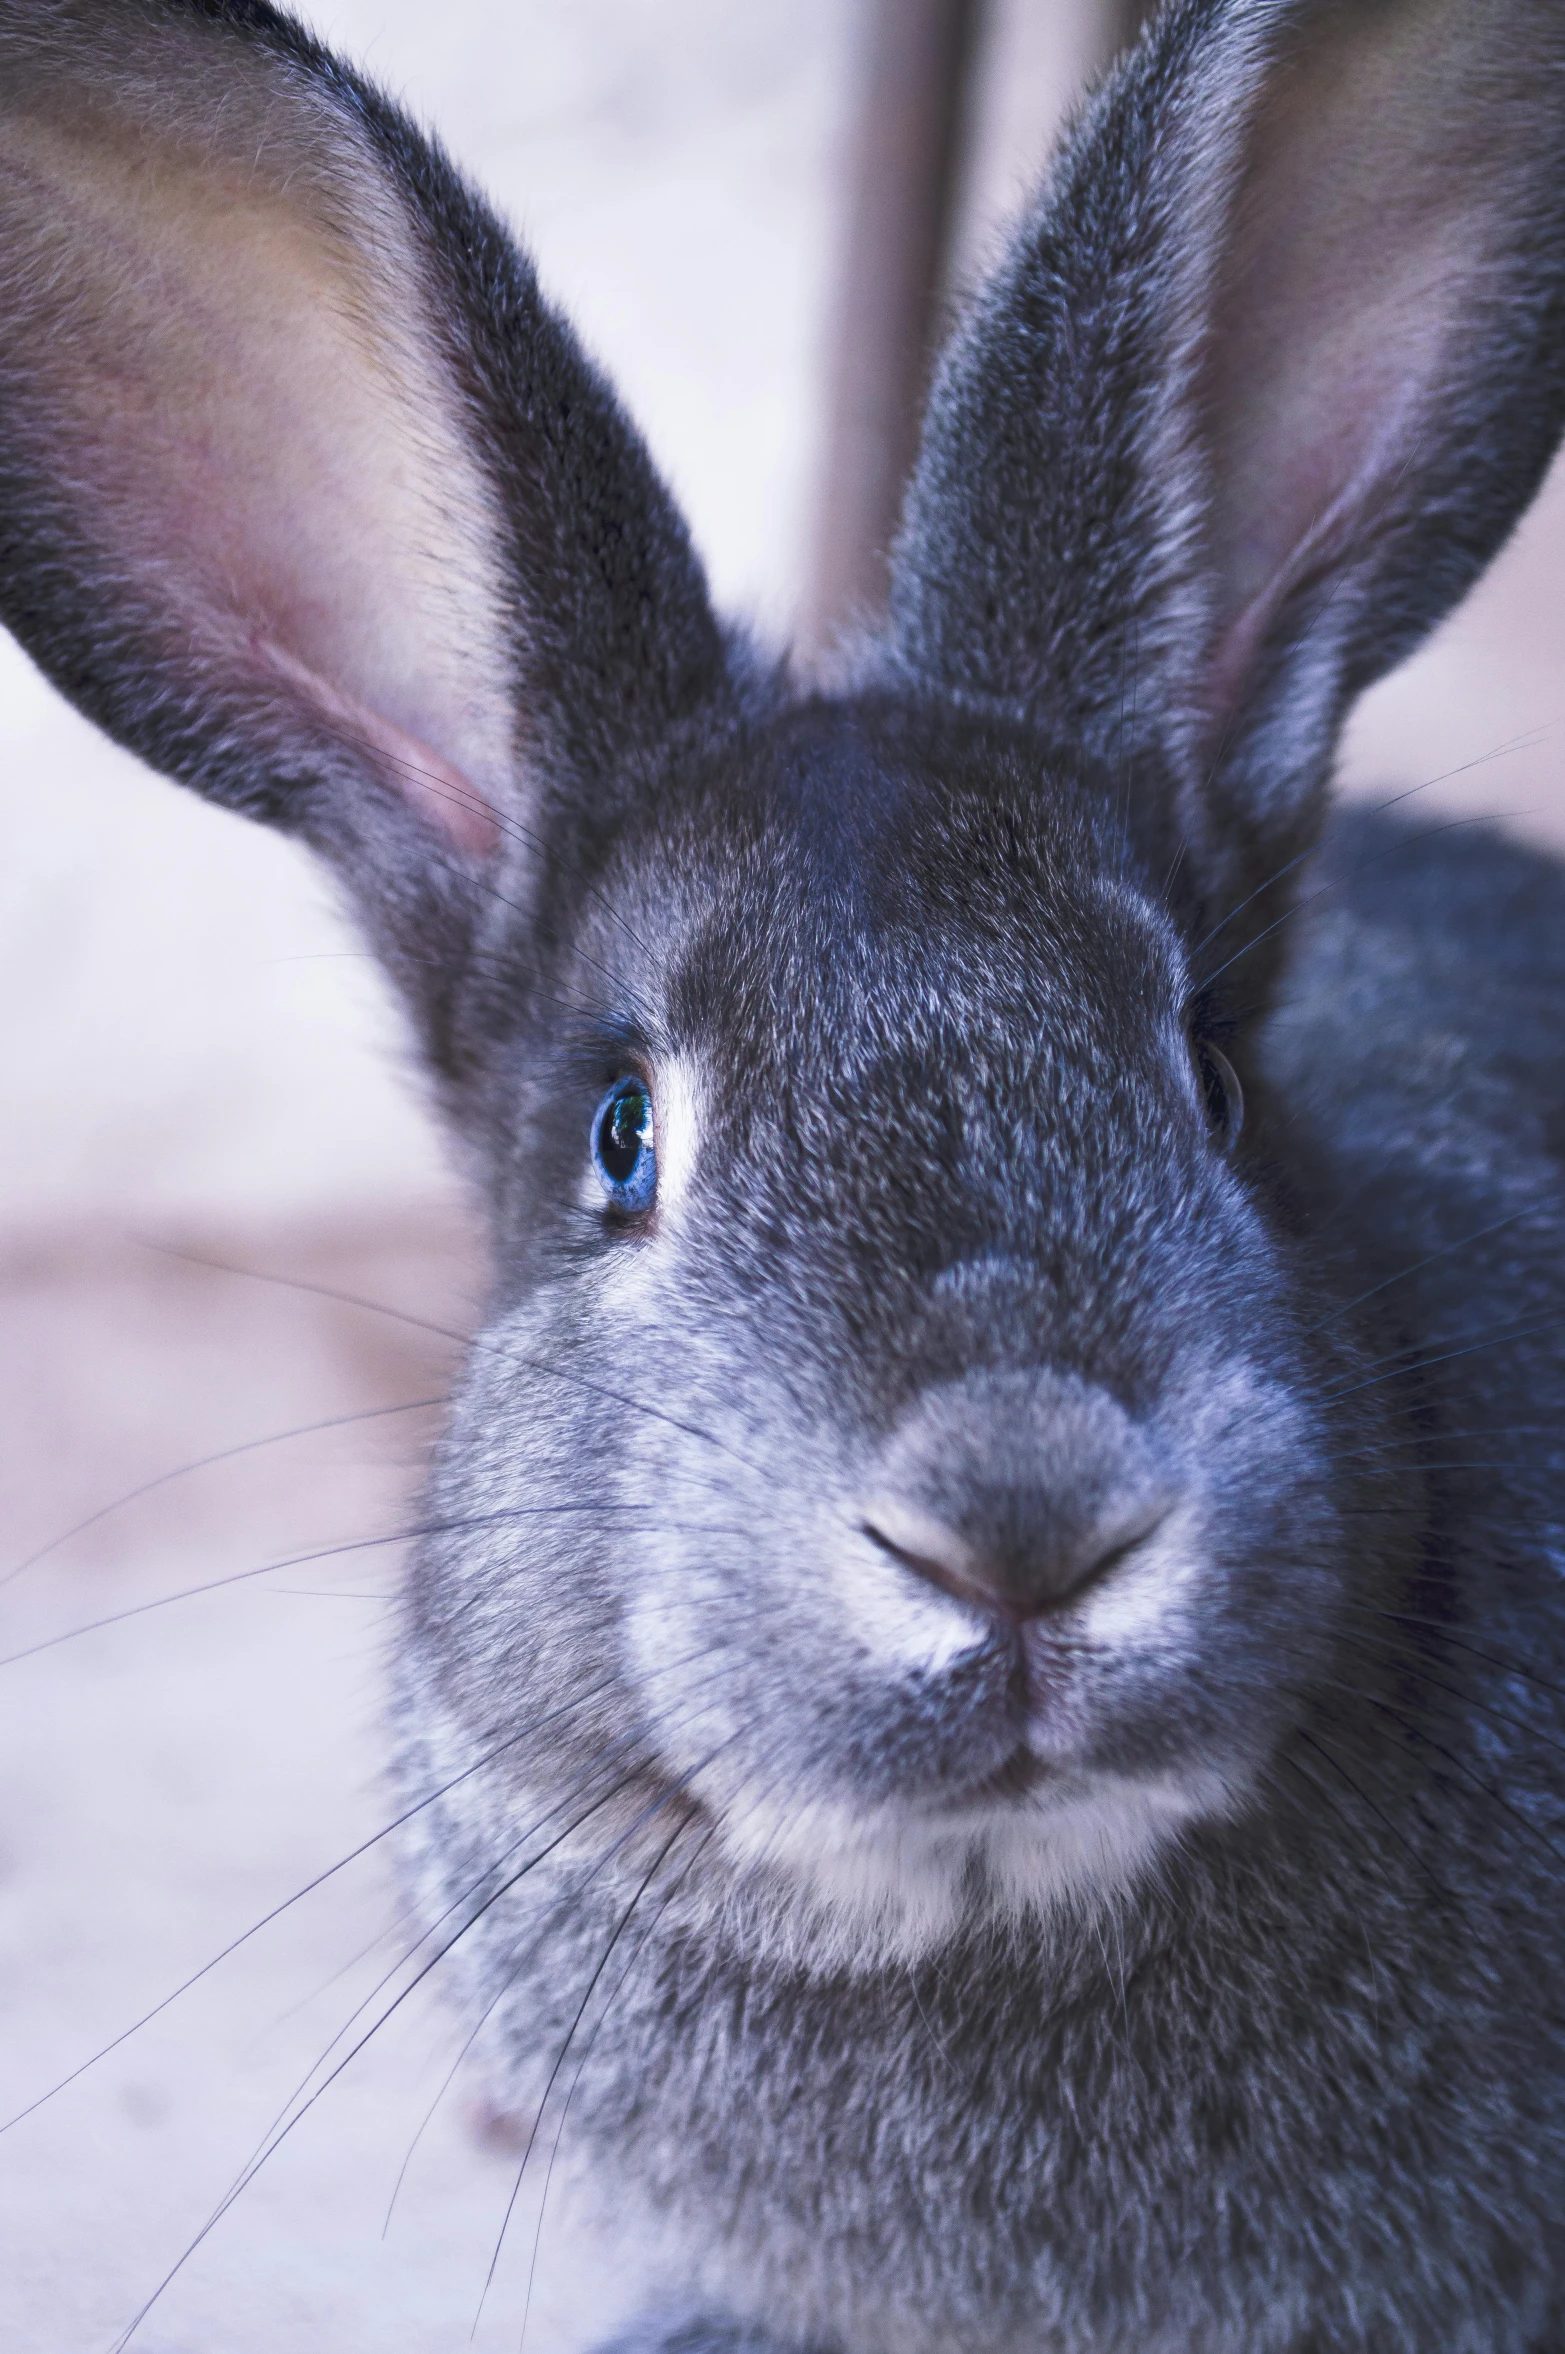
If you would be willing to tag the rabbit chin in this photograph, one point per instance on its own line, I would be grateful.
(895, 1878)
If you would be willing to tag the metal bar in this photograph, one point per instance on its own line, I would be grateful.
(916, 68)
(919, 62)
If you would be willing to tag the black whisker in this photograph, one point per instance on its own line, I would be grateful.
(614, 1993)
(1459, 1765)
(1448, 1250)
(592, 1984)
(518, 1965)
(1509, 1667)
(276, 1438)
(591, 1507)
(1503, 751)
(1296, 1765)
(1404, 1660)
(278, 2135)
(319, 1881)
(607, 1760)
(479, 1343)
(1386, 1822)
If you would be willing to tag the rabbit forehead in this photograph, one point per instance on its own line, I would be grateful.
(918, 992)
(851, 896)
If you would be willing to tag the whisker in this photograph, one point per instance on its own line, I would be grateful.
(319, 1881)
(527, 1954)
(1440, 1469)
(1524, 742)
(1394, 1446)
(464, 1896)
(1403, 1275)
(1491, 1340)
(1312, 1782)
(608, 1760)
(479, 1343)
(1508, 1667)
(1458, 1764)
(239, 1577)
(1382, 1817)
(401, 1921)
(440, 788)
(592, 1984)
(1469, 1699)
(586, 2056)
(282, 2131)
(1498, 1328)
(615, 1991)
(325, 1594)
(591, 1507)
(164, 1479)
(1430, 833)
(284, 2124)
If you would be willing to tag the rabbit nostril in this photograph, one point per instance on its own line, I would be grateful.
(938, 1555)
(1050, 1576)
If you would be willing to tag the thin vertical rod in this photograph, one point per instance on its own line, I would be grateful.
(917, 66)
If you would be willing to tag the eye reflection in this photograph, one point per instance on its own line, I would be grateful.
(623, 1150)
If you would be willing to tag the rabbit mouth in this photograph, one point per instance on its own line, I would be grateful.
(1018, 1777)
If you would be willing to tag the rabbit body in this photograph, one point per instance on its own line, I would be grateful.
(1303, 2088)
(978, 1709)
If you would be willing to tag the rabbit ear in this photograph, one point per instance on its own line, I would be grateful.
(305, 494)
(1263, 383)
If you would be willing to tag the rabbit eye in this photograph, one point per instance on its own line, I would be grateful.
(1220, 1092)
(622, 1147)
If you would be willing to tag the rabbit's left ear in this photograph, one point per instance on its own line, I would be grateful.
(305, 493)
(1262, 385)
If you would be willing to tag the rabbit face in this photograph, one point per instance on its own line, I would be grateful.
(929, 1461)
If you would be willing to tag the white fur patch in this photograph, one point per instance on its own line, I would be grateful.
(897, 1878)
(676, 1108)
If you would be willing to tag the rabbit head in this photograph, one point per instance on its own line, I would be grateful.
(906, 1439)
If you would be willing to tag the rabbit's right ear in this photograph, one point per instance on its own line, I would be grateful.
(305, 494)
(1263, 383)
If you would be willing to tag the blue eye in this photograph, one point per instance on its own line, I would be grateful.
(622, 1148)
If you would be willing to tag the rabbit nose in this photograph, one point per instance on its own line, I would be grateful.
(1009, 1582)
(1014, 1491)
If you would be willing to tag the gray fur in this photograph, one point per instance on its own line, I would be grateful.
(987, 1678)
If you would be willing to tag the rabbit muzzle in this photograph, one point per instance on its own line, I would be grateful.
(1041, 1637)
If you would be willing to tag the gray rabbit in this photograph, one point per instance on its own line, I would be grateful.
(982, 1692)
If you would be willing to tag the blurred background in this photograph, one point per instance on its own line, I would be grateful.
(754, 213)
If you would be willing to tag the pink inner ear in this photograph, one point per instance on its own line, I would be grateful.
(217, 346)
(440, 793)
(1365, 209)
(1325, 492)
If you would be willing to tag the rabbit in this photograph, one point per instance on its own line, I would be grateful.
(978, 1706)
